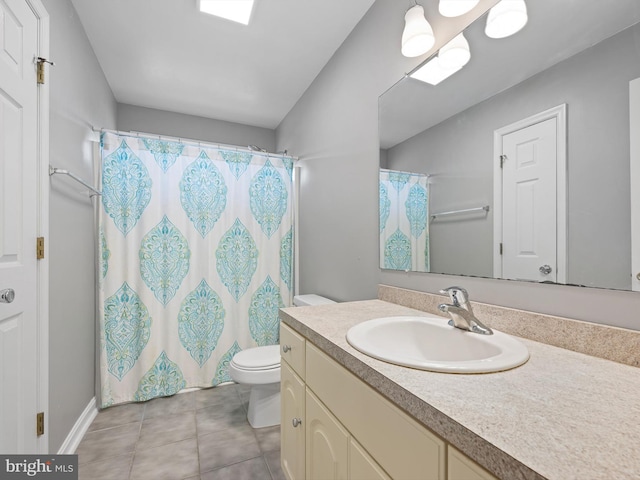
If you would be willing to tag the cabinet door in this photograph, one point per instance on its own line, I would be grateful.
(292, 436)
(463, 468)
(327, 443)
(362, 466)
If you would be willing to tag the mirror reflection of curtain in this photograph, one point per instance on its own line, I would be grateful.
(404, 226)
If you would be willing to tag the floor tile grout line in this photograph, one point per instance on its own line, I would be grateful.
(195, 421)
(112, 427)
(111, 457)
(232, 464)
(135, 446)
(268, 467)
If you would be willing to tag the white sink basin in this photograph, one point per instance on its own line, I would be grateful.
(429, 343)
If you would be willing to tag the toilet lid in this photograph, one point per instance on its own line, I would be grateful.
(258, 358)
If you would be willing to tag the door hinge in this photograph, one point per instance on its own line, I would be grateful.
(40, 248)
(40, 69)
(500, 248)
(40, 423)
(503, 158)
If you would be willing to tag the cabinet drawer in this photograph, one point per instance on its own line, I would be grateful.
(292, 349)
(400, 445)
(463, 468)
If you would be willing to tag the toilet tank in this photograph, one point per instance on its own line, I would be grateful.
(310, 299)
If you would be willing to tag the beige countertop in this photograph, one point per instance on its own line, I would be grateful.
(562, 415)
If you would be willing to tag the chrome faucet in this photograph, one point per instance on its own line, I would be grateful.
(461, 312)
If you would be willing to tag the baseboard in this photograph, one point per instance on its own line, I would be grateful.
(79, 429)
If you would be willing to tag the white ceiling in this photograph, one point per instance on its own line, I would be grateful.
(165, 54)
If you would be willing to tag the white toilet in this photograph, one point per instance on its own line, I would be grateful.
(260, 368)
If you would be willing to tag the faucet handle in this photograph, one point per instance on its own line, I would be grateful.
(459, 296)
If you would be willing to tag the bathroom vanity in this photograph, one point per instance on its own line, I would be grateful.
(561, 415)
(332, 419)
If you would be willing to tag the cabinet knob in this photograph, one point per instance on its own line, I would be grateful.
(285, 349)
(296, 422)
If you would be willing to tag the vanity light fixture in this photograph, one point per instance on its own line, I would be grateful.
(235, 10)
(455, 8)
(506, 18)
(417, 37)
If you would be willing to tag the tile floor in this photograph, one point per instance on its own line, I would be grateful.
(197, 435)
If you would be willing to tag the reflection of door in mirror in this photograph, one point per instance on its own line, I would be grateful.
(529, 207)
(634, 124)
(404, 229)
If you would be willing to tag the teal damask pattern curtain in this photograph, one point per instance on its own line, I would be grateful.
(195, 253)
(404, 225)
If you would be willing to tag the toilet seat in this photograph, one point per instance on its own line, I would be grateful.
(256, 366)
(258, 358)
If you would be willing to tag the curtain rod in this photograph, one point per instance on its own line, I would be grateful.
(199, 143)
(466, 210)
(409, 173)
(53, 171)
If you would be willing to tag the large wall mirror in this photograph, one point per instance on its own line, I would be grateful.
(524, 164)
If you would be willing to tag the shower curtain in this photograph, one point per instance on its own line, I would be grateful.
(404, 225)
(195, 259)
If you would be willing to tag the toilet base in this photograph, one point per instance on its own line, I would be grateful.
(264, 405)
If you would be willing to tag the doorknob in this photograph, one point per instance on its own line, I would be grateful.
(545, 269)
(7, 295)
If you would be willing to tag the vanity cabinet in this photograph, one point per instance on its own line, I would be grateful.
(334, 426)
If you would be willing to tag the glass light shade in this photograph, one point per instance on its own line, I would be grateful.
(455, 54)
(506, 18)
(417, 37)
(455, 8)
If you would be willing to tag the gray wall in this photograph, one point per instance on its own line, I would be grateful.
(333, 129)
(459, 152)
(80, 98)
(149, 120)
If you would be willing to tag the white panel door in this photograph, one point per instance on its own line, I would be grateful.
(634, 110)
(18, 226)
(529, 203)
